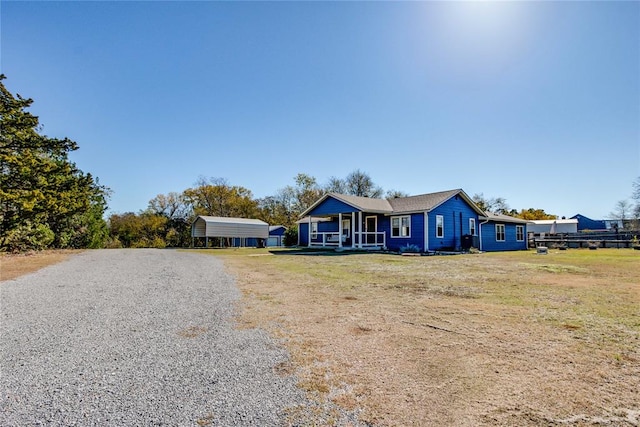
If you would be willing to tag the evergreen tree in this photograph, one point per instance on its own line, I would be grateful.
(45, 200)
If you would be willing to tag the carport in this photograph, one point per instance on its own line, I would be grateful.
(241, 231)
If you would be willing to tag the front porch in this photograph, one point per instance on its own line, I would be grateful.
(345, 231)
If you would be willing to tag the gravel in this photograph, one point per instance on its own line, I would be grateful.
(140, 337)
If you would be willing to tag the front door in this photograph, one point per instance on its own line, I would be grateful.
(346, 231)
(370, 227)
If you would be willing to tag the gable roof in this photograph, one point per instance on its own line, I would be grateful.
(411, 204)
(504, 218)
(276, 227)
(366, 204)
(230, 220)
(427, 202)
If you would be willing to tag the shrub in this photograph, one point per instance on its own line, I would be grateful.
(413, 249)
(28, 237)
(291, 236)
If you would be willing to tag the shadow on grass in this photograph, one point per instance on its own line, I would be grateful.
(319, 251)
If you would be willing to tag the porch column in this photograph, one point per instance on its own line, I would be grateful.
(309, 233)
(360, 229)
(340, 230)
(353, 229)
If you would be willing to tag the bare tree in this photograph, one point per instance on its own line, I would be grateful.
(622, 210)
(496, 205)
(359, 183)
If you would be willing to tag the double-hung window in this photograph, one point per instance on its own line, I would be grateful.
(439, 226)
(401, 226)
(314, 230)
(520, 233)
(472, 226)
(500, 236)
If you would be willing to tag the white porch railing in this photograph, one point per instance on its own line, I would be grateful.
(373, 238)
(332, 238)
(325, 239)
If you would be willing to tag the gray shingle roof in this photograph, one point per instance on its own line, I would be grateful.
(422, 202)
(366, 204)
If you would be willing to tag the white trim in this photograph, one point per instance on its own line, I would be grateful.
(367, 231)
(426, 232)
(504, 233)
(520, 227)
(441, 217)
(346, 221)
(472, 230)
(353, 229)
(360, 229)
(399, 217)
(340, 230)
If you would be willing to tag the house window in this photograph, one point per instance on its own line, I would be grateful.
(520, 233)
(314, 230)
(472, 226)
(439, 226)
(401, 226)
(500, 233)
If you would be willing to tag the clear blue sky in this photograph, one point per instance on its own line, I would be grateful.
(536, 102)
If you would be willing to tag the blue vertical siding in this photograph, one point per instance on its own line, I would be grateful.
(416, 232)
(332, 206)
(490, 244)
(323, 227)
(451, 211)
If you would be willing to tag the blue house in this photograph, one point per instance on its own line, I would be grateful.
(443, 221)
(276, 235)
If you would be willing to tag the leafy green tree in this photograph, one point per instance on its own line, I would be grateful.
(179, 214)
(306, 192)
(142, 230)
(40, 188)
(215, 197)
(533, 214)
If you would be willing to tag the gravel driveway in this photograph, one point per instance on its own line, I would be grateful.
(136, 337)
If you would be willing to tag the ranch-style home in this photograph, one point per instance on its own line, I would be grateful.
(434, 222)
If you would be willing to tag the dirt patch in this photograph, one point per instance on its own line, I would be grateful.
(500, 339)
(16, 265)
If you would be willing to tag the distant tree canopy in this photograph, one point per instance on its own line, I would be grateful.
(498, 205)
(45, 200)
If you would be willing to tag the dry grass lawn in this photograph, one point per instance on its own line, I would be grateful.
(502, 339)
(15, 265)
